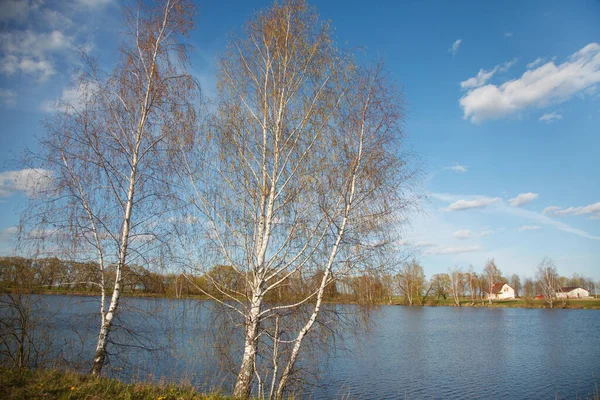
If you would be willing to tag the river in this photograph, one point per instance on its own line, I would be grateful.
(409, 352)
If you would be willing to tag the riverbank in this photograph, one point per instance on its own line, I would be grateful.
(586, 304)
(54, 384)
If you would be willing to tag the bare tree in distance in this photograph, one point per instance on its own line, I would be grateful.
(411, 283)
(515, 283)
(471, 282)
(492, 275)
(456, 284)
(110, 155)
(547, 278)
(304, 174)
(440, 285)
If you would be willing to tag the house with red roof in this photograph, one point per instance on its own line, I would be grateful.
(501, 291)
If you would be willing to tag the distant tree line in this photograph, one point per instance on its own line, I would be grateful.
(410, 284)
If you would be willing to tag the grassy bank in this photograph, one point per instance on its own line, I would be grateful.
(587, 304)
(54, 384)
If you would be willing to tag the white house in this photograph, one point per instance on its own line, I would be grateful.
(502, 291)
(572, 292)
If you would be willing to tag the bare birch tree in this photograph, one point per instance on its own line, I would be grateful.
(411, 282)
(303, 175)
(456, 284)
(110, 154)
(492, 275)
(471, 281)
(515, 283)
(547, 278)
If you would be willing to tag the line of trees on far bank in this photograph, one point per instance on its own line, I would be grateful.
(410, 285)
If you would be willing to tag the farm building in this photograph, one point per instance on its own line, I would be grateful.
(572, 292)
(502, 291)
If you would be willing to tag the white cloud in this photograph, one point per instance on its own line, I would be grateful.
(29, 52)
(56, 19)
(593, 210)
(8, 97)
(538, 218)
(550, 117)
(454, 48)
(424, 243)
(41, 70)
(18, 10)
(463, 234)
(72, 96)
(486, 232)
(27, 181)
(9, 233)
(536, 62)
(94, 3)
(458, 168)
(523, 199)
(547, 84)
(34, 44)
(529, 227)
(508, 34)
(468, 204)
(484, 76)
(442, 251)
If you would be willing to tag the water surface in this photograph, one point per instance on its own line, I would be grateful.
(410, 352)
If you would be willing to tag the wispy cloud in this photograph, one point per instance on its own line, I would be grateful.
(442, 251)
(8, 97)
(26, 181)
(508, 34)
(458, 168)
(73, 96)
(17, 10)
(546, 84)
(536, 62)
(8, 233)
(424, 244)
(29, 52)
(464, 234)
(550, 117)
(454, 48)
(94, 3)
(593, 210)
(484, 76)
(523, 198)
(529, 227)
(498, 206)
(462, 204)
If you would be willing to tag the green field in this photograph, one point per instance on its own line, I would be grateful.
(588, 304)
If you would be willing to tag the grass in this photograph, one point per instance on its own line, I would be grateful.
(54, 384)
(588, 304)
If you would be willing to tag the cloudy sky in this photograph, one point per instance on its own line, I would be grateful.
(503, 108)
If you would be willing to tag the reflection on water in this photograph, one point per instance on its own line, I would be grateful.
(411, 352)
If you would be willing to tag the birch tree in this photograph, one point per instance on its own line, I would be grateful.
(515, 283)
(456, 284)
(110, 155)
(492, 275)
(547, 278)
(411, 282)
(303, 176)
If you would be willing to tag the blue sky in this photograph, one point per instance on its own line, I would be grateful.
(503, 109)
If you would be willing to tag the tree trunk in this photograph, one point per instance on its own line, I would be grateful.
(243, 385)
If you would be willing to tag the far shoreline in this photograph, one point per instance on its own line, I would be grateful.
(590, 303)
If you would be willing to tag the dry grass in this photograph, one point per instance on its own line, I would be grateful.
(55, 384)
